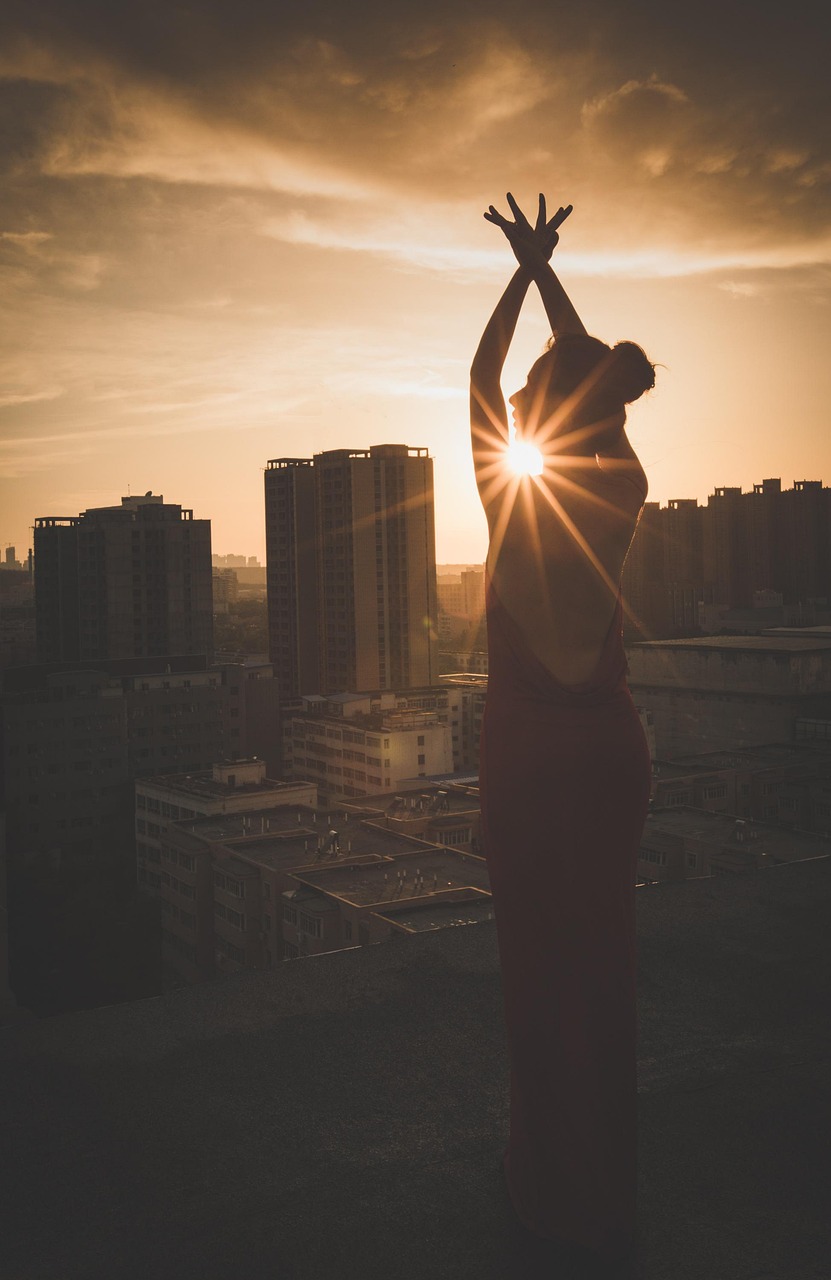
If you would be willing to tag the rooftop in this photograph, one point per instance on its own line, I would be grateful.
(456, 907)
(282, 819)
(378, 882)
(205, 786)
(771, 643)
(721, 828)
(301, 848)
(433, 801)
(768, 755)
(342, 1117)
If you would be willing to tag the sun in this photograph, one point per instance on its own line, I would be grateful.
(524, 459)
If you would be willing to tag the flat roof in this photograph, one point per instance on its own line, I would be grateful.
(468, 906)
(302, 849)
(205, 786)
(381, 882)
(439, 780)
(279, 819)
(720, 829)
(766, 755)
(434, 802)
(758, 644)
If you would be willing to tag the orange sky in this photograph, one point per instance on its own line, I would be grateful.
(229, 235)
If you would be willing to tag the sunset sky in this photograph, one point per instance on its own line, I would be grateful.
(235, 232)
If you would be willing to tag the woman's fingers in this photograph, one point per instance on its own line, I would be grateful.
(559, 217)
(541, 219)
(520, 217)
(495, 217)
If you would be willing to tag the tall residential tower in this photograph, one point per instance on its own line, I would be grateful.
(132, 581)
(352, 570)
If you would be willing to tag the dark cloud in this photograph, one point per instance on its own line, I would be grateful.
(690, 121)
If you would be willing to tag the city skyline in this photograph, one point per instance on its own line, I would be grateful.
(245, 230)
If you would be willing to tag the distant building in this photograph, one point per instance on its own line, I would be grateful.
(74, 741)
(250, 889)
(680, 843)
(232, 786)
(719, 693)
(752, 783)
(690, 565)
(337, 906)
(461, 600)
(357, 745)
(225, 590)
(17, 618)
(352, 570)
(132, 581)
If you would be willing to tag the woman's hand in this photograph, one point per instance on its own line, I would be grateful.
(532, 246)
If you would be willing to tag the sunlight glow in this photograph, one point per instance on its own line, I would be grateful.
(524, 459)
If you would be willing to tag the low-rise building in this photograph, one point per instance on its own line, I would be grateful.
(719, 693)
(231, 786)
(360, 891)
(446, 814)
(679, 843)
(361, 744)
(248, 889)
(746, 784)
(201, 863)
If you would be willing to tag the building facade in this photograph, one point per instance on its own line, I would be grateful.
(720, 693)
(132, 581)
(350, 538)
(690, 564)
(355, 745)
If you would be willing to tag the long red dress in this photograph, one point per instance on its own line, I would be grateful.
(565, 778)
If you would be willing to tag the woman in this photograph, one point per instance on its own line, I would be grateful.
(565, 770)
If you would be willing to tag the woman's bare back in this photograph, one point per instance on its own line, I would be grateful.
(556, 561)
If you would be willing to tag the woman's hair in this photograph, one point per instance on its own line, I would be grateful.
(590, 384)
(611, 376)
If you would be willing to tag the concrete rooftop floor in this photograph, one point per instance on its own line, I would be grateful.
(343, 1116)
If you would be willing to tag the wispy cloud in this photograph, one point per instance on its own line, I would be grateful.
(31, 397)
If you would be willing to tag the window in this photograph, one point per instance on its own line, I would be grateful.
(310, 925)
(421, 758)
(421, 740)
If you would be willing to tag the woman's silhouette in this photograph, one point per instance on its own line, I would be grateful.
(565, 770)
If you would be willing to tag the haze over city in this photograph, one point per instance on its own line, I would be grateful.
(231, 234)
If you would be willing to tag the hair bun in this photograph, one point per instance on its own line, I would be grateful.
(632, 373)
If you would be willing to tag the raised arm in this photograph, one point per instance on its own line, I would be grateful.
(488, 414)
(533, 247)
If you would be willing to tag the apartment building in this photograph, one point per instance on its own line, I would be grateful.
(224, 877)
(678, 843)
(689, 565)
(128, 581)
(360, 744)
(721, 693)
(74, 741)
(230, 786)
(350, 540)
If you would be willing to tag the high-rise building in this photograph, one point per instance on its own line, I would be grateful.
(352, 570)
(132, 581)
(690, 567)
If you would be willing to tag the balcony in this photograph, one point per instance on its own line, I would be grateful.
(342, 1116)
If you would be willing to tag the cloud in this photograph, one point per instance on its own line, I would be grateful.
(33, 397)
